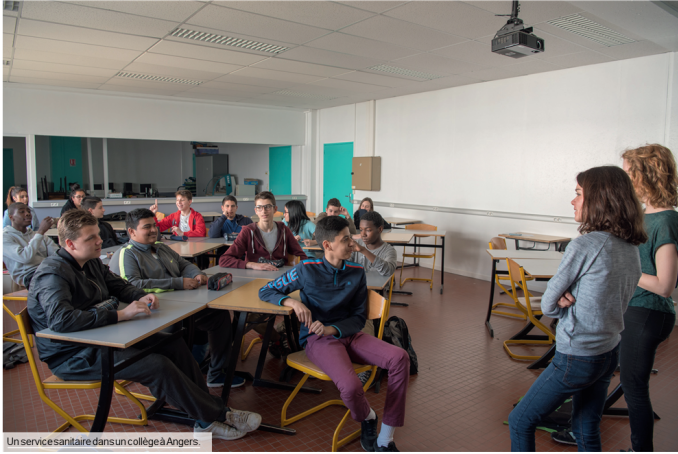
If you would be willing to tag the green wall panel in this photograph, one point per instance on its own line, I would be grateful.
(280, 170)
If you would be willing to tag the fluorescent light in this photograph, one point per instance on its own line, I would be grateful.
(174, 80)
(582, 26)
(228, 41)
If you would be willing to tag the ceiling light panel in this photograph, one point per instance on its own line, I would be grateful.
(10, 6)
(173, 80)
(228, 41)
(405, 72)
(582, 26)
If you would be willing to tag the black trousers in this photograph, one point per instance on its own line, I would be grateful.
(644, 330)
(217, 324)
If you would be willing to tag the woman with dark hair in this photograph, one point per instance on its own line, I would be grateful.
(17, 194)
(651, 316)
(589, 295)
(74, 201)
(300, 225)
(366, 205)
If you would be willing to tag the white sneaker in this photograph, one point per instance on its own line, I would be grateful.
(220, 430)
(245, 421)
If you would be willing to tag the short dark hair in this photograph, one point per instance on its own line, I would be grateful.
(265, 195)
(328, 228)
(229, 198)
(610, 204)
(334, 202)
(374, 217)
(133, 217)
(75, 191)
(13, 208)
(70, 224)
(89, 202)
(184, 193)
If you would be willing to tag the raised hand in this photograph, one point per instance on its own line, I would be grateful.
(154, 207)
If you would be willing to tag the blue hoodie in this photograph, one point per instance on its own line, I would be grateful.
(336, 297)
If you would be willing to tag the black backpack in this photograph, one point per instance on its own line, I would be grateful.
(396, 333)
(118, 216)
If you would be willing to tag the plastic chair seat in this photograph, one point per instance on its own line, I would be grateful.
(300, 361)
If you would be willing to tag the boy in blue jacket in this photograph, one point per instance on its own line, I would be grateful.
(332, 313)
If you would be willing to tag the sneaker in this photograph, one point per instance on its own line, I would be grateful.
(390, 448)
(364, 376)
(368, 434)
(220, 430)
(245, 421)
(564, 436)
(219, 382)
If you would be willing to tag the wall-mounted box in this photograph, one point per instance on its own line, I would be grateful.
(367, 173)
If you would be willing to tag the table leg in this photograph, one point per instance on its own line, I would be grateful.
(106, 391)
(489, 309)
(544, 360)
(442, 269)
(239, 320)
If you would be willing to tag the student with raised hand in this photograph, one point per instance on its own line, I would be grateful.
(153, 266)
(17, 194)
(331, 330)
(23, 248)
(184, 222)
(301, 226)
(650, 317)
(589, 295)
(370, 250)
(229, 222)
(366, 205)
(74, 200)
(334, 208)
(95, 207)
(66, 296)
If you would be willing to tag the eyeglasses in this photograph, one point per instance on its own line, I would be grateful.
(78, 196)
(263, 207)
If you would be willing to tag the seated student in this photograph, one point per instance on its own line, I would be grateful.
(589, 295)
(332, 312)
(17, 194)
(25, 249)
(366, 205)
(301, 226)
(66, 296)
(186, 221)
(334, 208)
(370, 250)
(96, 208)
(229, 222)
(74, 201)
(152, 266)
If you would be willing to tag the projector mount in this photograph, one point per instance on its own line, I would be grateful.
(514, 23)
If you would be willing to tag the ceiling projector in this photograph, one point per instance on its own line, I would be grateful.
(514, 40)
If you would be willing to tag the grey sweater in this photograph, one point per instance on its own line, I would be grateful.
(384, 262)
(602, 272)
(23, 252)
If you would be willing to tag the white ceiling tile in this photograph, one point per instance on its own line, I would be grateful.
(276, 75)
(130, 89)
(209, 97)
(451, 17)
(434, 64)
(61, 68)
(587, 57)
(524, 68)
(474, 52)
(150, 84)
(219, 85)
(555, 46)
(545, 27)
(531, 12)
(375, 79)
(668, 42)
(299, 67)
(83, 35)
(396, 31)
(7, 41)
(231, 20)
(52, 82)
(84, 50)
(201, 52)
(326, 57)
(27, 73)
(321, 91)
(248, 80)
(452, 81)
(332, 16)
(177, 11)
(632, 50)
(69, 59)
(214, 91)
(490, 74)
(65, 13)
(355, 87)
(187, 63)
(170, 71)
(356, 45)
(8, 24)
(376, 7)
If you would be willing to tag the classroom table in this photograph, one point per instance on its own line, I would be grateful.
(202, 294)
(102, 255)
(124, 335)
(211, 214)
(502, 254)
(558, 241)
(401, 221)
(427, 233)
(189, 249)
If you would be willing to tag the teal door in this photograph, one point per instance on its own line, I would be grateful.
(337, 168)
(7, 172)
(66, 156)
(280, 170)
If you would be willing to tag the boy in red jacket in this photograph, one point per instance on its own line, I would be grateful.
(186, 221)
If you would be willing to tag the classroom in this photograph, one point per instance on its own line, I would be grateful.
(186, 132)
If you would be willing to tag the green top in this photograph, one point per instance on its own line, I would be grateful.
(662, 228)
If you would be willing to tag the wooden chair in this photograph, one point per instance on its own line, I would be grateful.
(55, 382)
(310, 214)
(531, 306)
(419, 256)
(499, 243)
(378, 308)
(159, 216)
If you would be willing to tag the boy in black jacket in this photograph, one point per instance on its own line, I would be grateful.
(332, 311)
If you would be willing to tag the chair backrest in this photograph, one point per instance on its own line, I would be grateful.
(517, 276)
(310, 213)
(293, 259)
(498, 243)
(26, 330)
(159, 216)
(420, 227)
(278, 213)
(377, 308)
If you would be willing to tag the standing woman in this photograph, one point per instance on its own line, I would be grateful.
(74, 201)
(365, 204)
(650, 317)
(301, 226)
(589, 294)
(17, 194)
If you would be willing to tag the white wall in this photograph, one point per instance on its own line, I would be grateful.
(247, 161)
(508, 145)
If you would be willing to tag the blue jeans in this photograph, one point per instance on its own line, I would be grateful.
(586, 378)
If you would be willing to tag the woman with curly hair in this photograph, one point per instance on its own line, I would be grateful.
(650, 317)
